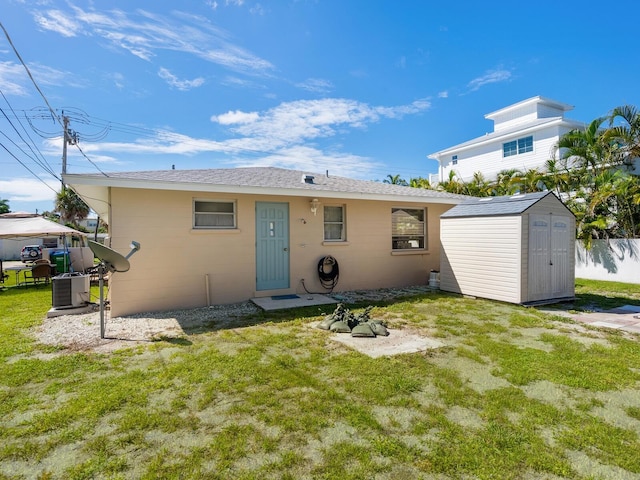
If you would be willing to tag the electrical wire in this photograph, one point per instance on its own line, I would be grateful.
(41, 162)
(15, 50)
(28, 169)
(90, 161)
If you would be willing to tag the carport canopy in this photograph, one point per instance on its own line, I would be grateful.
(33, 227)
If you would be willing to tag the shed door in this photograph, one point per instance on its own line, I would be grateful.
(549, 262)
(272, 246)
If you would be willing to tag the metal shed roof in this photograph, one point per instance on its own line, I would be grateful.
(493, 206)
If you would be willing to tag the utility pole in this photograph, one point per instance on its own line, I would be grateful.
(68, 137)
(65, 127)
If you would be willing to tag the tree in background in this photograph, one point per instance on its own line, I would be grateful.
(452, 185)
(420, 182)
(589, 176)
(627, 133)
(395, 180)
(4, 206)
(70, 206)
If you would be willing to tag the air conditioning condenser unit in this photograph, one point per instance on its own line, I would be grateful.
(70, 290)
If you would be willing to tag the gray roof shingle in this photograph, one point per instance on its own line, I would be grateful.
(494, 206)
(269, 177)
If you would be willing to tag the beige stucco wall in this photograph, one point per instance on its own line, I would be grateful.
(170, 269)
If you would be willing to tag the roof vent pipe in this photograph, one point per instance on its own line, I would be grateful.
(307, 178)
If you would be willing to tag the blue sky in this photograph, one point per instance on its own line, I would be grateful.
(359, 88)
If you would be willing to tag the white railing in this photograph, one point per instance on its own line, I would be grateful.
(614, 260)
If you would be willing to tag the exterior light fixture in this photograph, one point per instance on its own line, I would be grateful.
(314, 206)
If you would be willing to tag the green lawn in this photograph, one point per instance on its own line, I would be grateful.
(514, 394)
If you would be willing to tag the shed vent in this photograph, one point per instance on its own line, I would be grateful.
(307, 178)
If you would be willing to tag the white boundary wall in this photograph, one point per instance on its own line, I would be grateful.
(615, 260)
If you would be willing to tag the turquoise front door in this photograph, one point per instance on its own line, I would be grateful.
(272, 246)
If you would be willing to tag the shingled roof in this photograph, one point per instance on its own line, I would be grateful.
(494, 206)
(93, 188)
(269, 177)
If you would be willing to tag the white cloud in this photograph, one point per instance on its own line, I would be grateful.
(317, 85)
(257, 9)
(142, 34)
(12, 77)
(287, 135)
(491, 76)
(182, 85)
(443, 94)
(29, 189)
(307, 158)
(308, 119)
(235, 117)
(15, 81)
(58, 21)
(118, 79)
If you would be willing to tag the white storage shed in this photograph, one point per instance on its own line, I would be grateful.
(517, 249)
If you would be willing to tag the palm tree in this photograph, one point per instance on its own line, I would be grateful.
(479, 186)
(420, 183)
(395, 180)
(557, 176)
(452, 184)
(531, 180)
(590, 148)
(70, 206)
(626, 135)
(506, 182)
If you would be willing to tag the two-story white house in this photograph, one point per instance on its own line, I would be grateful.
(524, 137)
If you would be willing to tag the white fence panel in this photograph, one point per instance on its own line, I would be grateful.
(614, 260)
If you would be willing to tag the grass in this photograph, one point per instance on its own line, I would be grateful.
(515, 393)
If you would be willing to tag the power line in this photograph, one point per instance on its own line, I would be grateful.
(15, 50)
(90, 161)
(25, 166)
(40, 161)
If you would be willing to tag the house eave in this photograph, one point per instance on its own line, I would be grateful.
(500, 136)
(533, 100)
(95, 190)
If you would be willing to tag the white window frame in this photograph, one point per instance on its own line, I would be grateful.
(407, 240)
(524, 146)
(518, 146)
(232, 213)
(343, 223)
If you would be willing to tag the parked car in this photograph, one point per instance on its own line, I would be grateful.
(30, 253)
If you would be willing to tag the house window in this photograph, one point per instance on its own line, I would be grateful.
(334, 224)
(214, 214)
(517, 147)
(454, 160)
(509, 148)
(408, 228)
(525, 144)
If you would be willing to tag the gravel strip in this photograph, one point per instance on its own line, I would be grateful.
(82, 332)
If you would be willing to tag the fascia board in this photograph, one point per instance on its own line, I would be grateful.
(495, 137)
(107, 182)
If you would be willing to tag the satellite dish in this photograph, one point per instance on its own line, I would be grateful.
(110, 261)
(113, 261)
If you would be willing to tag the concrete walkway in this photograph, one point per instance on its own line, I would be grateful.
(625, 318)
(281, 302)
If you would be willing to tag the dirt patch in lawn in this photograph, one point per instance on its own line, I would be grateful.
(398, 341)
